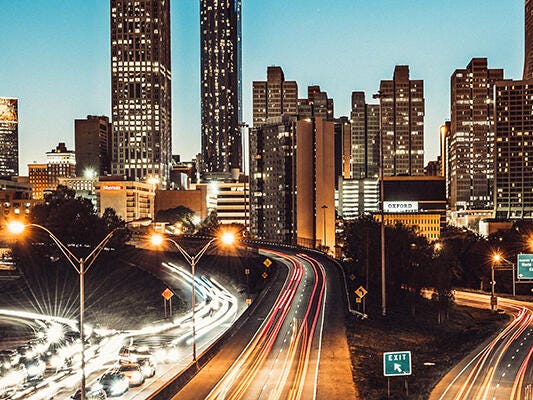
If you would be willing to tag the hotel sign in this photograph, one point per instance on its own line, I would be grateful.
(111, 187)
(400, 206)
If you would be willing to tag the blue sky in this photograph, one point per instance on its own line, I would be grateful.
(55, 56)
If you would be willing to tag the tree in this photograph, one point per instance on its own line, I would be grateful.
(180, 215)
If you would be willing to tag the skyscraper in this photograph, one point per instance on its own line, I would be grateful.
(471, 138)
(402, 124)
(9, 150)
(317, 104)
(92, 141)
(274, 97)
(513, 193)
(220, 44)
(140, 89)
(364, 119)
(528, 33)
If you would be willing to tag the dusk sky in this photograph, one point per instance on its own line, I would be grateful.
(55, 57)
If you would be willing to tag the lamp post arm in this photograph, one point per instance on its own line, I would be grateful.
(204, 249)
(98, 249)
(183, 252)
(73, 260)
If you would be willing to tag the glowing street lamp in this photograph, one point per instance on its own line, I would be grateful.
(227, 238)
(496, 258)
(81, 265)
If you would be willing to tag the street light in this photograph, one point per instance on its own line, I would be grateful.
(324, 207)
(226, 237)
(81, 265)
(496, 257)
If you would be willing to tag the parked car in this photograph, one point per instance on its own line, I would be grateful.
(133, 372)
(114, 383)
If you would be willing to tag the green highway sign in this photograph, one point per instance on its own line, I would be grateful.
(397, 363)
(525, 266)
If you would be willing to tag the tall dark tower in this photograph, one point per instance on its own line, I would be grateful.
(9, 137)
(220, 85)
(528, 51)
(140, 89)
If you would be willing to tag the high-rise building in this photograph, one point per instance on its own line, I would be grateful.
(140, 89)
(343, 149)
(220, 48)
(60, 162)
(471, 138)
(528, 52)
(317, 104)
(38, 179)
(402, 124)
(92, 145)
(273, 97)
(513, 193)
(364, 119)
(294, 159)
(9, 150)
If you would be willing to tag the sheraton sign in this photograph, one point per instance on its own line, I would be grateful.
(400, 206)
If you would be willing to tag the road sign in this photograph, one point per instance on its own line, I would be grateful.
(167, 294)
(267, 262)
(357, 299)
(525, 266)
(361, 291)
(248, 301)
(264, 275)
(397, 363)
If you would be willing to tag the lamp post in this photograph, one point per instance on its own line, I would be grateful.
(379, 95)
(227, 239)
(324, 207)
(81, 265)
(496, 257)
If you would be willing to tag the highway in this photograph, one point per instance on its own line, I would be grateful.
(169, 341)
(500, 368)
(281, 361)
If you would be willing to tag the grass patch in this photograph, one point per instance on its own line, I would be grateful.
(443, 345)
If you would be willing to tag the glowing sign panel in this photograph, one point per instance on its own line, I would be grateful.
(400, 206)
(111, 187)
(8, 110)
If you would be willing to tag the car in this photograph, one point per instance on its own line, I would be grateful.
(91, 393)
(133, 353)
(35, 368)
(133, 372)
(147, 367)
(114, 383)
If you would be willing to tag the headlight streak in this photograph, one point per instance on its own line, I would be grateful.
(295, 365)
(516, 392)
(221, 309)
(490, 358)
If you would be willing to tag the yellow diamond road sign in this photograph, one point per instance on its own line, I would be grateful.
(167, 294)
(361, 291)
(267, 262)
(264, 275)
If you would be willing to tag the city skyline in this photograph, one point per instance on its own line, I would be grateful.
(47, 61)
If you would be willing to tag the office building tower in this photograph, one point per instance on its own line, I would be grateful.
(293, 158)
(93, 146)
(317, 104)
(342, 129)
(528, 33)
(9, 150)
(402, 124)
(273, 97)
(471, 137)
(38, 179)
(513, 193)
(140, 89)
(220, 48)
(60, 162)
(364, 119)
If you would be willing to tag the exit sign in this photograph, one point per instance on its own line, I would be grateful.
(397, 363)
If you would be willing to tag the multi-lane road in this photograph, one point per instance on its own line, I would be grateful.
(499, 369)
